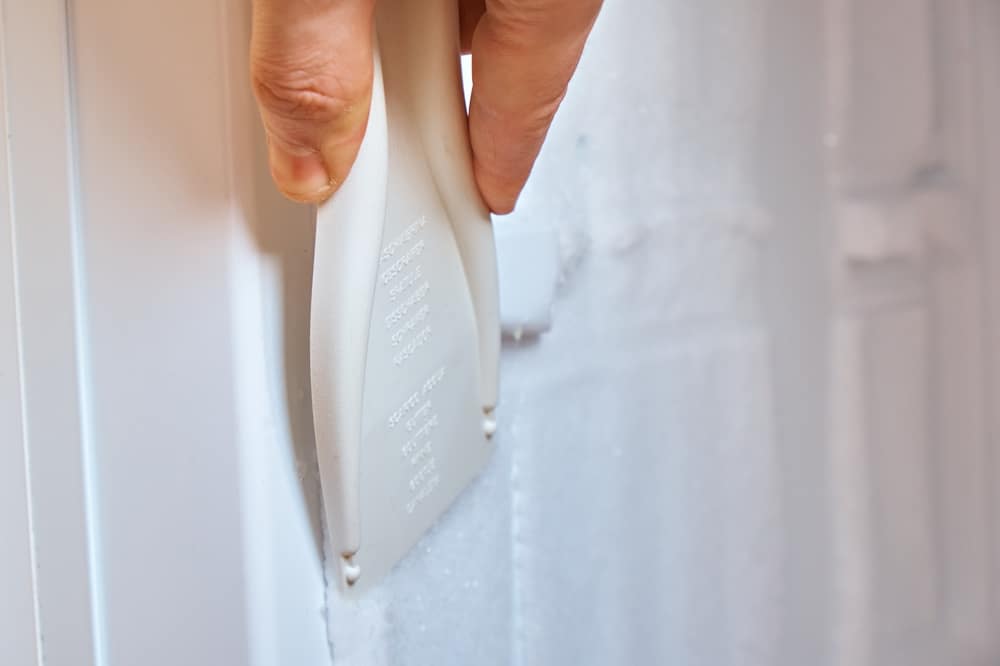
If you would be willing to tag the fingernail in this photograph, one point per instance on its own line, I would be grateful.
(301, 177)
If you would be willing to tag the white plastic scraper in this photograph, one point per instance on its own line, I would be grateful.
(405, 330)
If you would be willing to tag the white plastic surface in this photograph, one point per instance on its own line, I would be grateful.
(18, 626)
(405, 328)
(44, 235)
(528, 265)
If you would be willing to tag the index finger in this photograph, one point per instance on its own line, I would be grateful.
(524, 53)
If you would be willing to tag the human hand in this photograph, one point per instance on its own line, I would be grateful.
(311, 67)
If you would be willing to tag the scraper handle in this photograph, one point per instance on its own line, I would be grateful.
(427, 32)
(421, 39)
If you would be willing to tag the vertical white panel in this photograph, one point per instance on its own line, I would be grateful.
(45, 235)
(153, 166)
(987, 21)
(851, 493)
(961, 453)
(907, 573)
(18, 629)
(197, 300)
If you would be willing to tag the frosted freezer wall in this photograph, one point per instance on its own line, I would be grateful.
(759, 431)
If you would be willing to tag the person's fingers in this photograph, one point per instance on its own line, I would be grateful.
(469, 14)
(311, 68)
(523, 55)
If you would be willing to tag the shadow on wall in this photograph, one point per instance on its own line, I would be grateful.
(285, 233)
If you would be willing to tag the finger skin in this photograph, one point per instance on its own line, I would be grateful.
(524, 53)
(469, 13)
(311, 67)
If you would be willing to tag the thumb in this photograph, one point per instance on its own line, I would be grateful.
(311, 69)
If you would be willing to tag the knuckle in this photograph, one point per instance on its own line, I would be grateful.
(546, 17)
(309, 91)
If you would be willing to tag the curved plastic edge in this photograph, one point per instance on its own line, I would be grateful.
(348, 240)
(439, 105)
